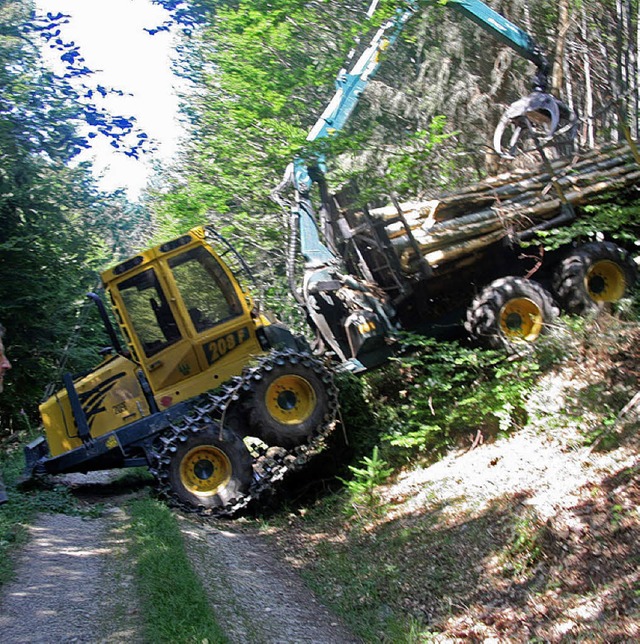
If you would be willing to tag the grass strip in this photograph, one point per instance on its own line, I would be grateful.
(173, 601)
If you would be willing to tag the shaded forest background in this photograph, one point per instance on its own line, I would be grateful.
(260, 74)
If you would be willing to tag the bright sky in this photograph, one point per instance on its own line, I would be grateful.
(113, 42)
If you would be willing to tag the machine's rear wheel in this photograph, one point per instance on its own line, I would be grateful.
(594, 274)
(207, 468)
(293, 399)
(510, 312)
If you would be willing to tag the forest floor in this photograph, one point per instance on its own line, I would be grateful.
(531, 537)
(535, 537)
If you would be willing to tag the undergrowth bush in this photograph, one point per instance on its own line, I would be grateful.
(362, 488)
(361, 417)
(614, 219)
(438, 393)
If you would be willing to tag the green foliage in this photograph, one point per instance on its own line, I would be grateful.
(255, 87)
(628, 308)
(437, 394)
(359, 411)
(58, 230)
(445, 391)
(362, 488)
(174, 603)
(614, 219)
(411, 170)
(410, 164)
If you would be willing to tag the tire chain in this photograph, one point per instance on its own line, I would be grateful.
(212, 407)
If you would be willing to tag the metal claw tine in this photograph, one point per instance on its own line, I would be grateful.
(538, 107)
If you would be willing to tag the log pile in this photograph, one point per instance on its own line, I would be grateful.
(459, 224)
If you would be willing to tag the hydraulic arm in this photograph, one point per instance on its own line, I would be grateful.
(350, 84)
(326, 290)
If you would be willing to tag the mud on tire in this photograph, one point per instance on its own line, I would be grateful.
(593, 274)
(509, 313)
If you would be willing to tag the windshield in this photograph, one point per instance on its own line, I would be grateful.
(207, 292)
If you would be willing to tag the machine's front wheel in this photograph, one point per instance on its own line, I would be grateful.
(206, 469)
(292, 399)
(510, 313)
(593, 274)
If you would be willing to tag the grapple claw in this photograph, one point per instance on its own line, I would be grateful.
(539, 112)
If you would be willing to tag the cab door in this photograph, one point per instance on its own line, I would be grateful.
(158, 335)
(217, 311)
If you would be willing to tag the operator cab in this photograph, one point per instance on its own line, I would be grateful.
(184, 315)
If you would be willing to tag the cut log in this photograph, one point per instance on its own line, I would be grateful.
(458, 224)
(454, 251)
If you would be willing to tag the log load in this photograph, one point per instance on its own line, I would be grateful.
(457, 224)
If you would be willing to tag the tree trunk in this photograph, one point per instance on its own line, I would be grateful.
(557, 76)
(588, 104)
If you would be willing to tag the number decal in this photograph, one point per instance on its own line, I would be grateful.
(218, 348)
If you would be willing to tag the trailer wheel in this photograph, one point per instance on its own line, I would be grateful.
(292, 398)
(593, 274)
(208, 468)
(510, 313)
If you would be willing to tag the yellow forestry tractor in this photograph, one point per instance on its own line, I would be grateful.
(219, 401)
(209, 394)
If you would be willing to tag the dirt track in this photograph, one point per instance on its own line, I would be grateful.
(74, 583)
(257, 598)
(70, 585)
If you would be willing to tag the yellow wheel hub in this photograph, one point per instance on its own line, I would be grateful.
(605, 281)
(204, 470)
(521, 319)
(290, 400)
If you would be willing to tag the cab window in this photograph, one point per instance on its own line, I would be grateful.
(208, 294)
(149, 312)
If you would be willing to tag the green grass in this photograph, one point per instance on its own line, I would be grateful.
(173, 601)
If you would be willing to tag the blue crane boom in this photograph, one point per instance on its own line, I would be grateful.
(350, 84)
(348, 315)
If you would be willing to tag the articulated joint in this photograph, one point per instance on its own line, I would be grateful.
(540, 82)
